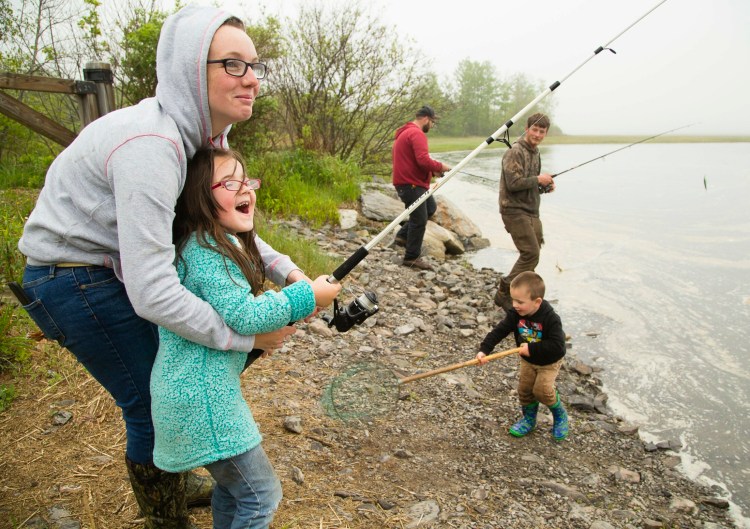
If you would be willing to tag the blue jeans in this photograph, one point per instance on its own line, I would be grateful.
(247, 491)
(413, 230)
(86, 310)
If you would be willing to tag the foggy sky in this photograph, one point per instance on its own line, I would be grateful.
(687, 62)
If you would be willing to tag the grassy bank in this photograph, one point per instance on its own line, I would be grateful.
(446, 144)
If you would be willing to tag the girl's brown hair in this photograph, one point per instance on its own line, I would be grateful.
(197, 211)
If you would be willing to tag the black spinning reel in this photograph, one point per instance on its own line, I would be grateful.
(346, 317)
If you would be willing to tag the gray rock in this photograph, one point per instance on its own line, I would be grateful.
(683, 505)
(403, 330)
(600, 524)
(347, 218)
(581, 402)
(61, 417)
(298, 476)
(622, 474)
(564, 490)
(451, 217)
(378, 206)
(719, 503)
(293, 423)
(422, 514)
(36, 522)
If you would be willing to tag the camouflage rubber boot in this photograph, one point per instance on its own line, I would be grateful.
(560, 424)
(527, 423)
(198, 489)
(160, 496)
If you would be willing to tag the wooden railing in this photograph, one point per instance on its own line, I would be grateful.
(95, 98)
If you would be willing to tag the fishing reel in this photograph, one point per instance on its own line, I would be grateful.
(346, 317)
(545, 189)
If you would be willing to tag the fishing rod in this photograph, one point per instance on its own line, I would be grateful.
(620, 149)
(366, 305)
(598, 157)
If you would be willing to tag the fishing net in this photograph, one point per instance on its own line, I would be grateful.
(363, 391)
(367, 390)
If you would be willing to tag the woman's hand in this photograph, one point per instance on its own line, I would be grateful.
(270, 341)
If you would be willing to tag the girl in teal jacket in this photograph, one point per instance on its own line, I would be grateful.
(200, 416)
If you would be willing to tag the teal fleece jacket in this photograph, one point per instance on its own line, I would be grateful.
(198, 410)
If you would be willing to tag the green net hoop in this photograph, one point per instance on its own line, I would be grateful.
(363, 391)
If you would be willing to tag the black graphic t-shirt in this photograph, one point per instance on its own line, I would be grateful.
(542, 331)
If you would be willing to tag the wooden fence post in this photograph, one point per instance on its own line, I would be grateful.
(96, 96)
(101, 74)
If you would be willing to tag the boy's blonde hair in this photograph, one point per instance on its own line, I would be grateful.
(532, 281)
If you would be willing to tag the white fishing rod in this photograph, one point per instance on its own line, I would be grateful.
(348, 265)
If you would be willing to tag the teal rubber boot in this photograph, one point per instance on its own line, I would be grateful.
(560, 416)
(527, 423)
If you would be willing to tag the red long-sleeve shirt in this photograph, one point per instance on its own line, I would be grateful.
(412, 164)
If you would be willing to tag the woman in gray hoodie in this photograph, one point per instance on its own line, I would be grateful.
(100, 261)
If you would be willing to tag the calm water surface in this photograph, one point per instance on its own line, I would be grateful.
(648, 254)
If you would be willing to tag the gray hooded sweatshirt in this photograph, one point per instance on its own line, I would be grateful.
(109, 198)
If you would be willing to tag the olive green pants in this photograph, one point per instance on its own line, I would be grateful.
(527, 235)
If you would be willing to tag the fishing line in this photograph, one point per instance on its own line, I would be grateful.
(621, 149)
(593, 159)
(348, 265)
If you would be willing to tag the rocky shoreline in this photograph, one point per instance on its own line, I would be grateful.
(441, 457)
(444, 456)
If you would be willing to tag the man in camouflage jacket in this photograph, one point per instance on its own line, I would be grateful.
(520, 187)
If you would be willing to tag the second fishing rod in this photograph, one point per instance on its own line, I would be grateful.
(345, 317)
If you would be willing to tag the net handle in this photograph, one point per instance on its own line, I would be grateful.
(493, 356)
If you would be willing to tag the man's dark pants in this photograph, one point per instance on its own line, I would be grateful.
(413, 230)
(528, 238)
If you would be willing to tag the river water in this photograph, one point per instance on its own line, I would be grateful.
(648, 254)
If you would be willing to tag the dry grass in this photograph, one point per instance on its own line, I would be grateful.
(79, 465)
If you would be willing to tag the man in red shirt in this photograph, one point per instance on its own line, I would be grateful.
(412, 171)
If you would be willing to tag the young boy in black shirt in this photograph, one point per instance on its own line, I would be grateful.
(538, 332)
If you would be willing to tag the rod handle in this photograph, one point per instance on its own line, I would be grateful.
(445, 369)
(347, 266)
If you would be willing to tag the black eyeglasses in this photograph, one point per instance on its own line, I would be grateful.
(238, 67)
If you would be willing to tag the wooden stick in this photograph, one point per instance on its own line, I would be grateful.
(493, 356)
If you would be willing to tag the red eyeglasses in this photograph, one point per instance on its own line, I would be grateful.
(235, 185)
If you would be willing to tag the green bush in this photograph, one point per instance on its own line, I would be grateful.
(304, 184)
(14, 345)
(15, 206)
(7, 394)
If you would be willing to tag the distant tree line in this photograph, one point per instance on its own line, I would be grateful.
(339, 81)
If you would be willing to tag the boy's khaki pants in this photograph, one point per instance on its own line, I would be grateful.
(537, 383)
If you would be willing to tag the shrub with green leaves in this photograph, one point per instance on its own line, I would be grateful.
(304, 184)
(14, 345)
(15, 206)
(7, 394)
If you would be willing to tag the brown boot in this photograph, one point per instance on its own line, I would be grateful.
(502, 296)
(198, 489)
(418, 263)
(160, 496)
